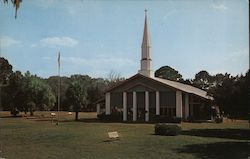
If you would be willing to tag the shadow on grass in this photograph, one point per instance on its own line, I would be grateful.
(110, 140)
(86, 120)
(96, 120)
(218, 150)
(238, 134)
(10, 116)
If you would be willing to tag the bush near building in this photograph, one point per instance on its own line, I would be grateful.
(167, 129)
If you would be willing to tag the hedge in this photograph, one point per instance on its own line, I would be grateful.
(167, 129)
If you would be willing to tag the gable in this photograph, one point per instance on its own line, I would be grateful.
(140, 83)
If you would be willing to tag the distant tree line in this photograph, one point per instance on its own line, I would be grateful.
(27, 93)
(24, 92)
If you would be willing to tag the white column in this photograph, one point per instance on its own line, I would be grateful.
(146, 106)
(178, 104)
(186, 106)
(157, 104)
(124, 106)
(107, 104)
(134, 107)
(98, 109)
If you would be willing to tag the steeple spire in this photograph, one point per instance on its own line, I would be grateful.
(146, 34)
(146, 61)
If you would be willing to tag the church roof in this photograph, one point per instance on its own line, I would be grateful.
(184, 87)
(173, 84)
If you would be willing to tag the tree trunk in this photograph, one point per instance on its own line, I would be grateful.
(31, 113)
(76, 117)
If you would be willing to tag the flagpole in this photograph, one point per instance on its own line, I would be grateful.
(58, 93)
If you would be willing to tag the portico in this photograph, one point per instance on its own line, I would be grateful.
(139, 102)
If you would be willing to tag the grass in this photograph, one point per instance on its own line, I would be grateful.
(38, 138)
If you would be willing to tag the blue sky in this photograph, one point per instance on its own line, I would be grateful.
(97, 37)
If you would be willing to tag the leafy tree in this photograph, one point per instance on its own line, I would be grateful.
(232, 96)
(27, 93)
(169, 73)
(86, 82)
(94, 87)
(77, 96)
(16, 93)
(31, 106)
(202, 80)
(53, 83)
(218, 79)
(215, 82)
(95, 92)
(38, 92)
(223, 95)
(5, 71)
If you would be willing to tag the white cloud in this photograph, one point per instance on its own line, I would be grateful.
(56, 42)
(219, 6)
(6, 41)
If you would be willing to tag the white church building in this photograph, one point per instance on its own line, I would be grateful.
(143, 96)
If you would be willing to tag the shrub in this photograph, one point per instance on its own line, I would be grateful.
(176, 120)
(101, 116)
(31, 106)
(14, 112)
(167, 129)
(111, 117)
(218, 119)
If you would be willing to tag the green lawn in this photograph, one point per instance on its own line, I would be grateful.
(39, 139)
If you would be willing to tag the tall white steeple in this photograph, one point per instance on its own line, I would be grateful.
(146, 61)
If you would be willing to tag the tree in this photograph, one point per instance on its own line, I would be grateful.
(5, 71)
(218, 79)
(169, 73)
(38, 93)
(114, 79)
(16, 4)
(53, 83)
(27, 93)
(223, 95)
(95, 92)
(232, 96)
(77, 96)
(16, 93)
(202, 80)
